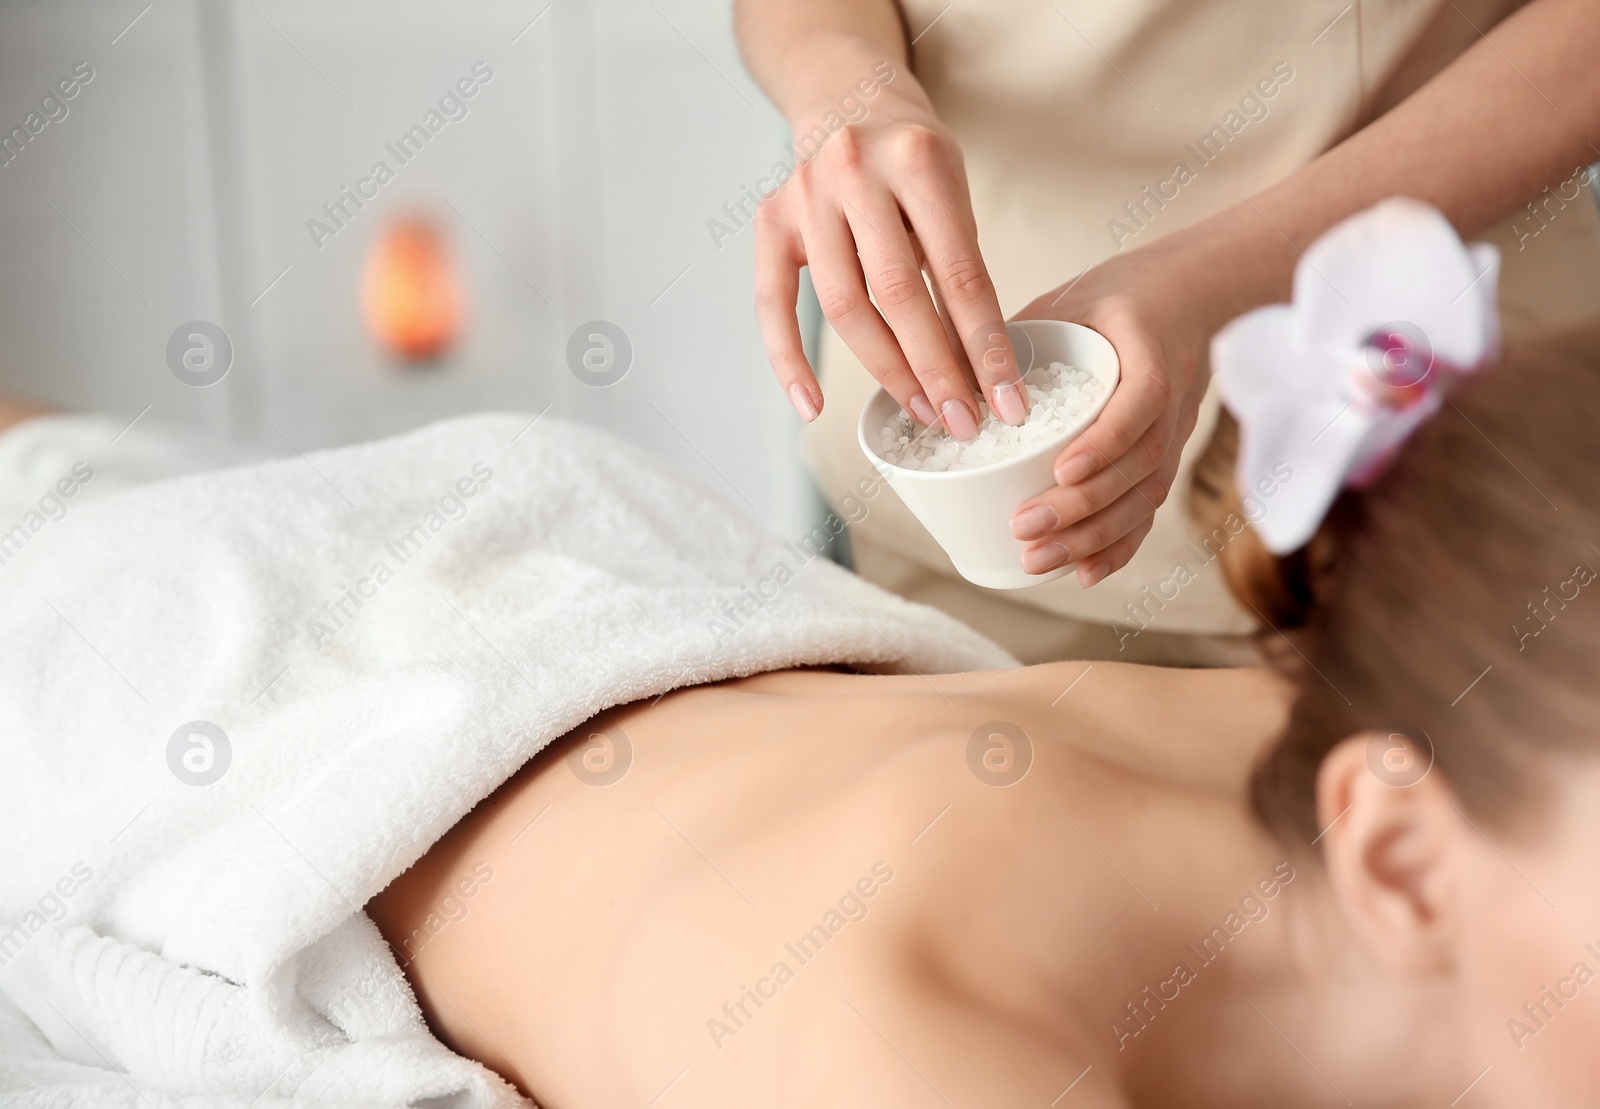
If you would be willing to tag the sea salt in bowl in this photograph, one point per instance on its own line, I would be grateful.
(965, 494)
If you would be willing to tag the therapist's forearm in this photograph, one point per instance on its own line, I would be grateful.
(1517, 112)
(806, 53)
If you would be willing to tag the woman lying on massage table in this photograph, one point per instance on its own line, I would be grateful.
(1064, 885)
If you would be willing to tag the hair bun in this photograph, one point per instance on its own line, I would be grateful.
(1284, 591)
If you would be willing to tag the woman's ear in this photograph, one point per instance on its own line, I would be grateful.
(1392, 838)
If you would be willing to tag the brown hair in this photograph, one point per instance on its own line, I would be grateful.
(1448, 601)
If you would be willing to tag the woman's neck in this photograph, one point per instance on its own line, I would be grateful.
(1295, 1011)
(1228, 976)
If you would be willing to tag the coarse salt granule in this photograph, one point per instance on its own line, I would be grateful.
(1059, 397)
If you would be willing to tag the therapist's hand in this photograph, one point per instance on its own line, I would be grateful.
(1153, 303)
(882, 201)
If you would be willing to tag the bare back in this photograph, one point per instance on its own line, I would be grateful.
(810, 884)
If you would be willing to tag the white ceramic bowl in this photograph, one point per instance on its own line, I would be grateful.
(968, 512)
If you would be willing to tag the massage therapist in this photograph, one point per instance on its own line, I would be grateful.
(1150, 168)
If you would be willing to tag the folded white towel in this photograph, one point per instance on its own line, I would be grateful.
(235, 705)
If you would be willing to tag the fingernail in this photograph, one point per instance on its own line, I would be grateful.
(800, 397)
(1094, 575)
(923, 411)
(1041, 560)
(1008, 402)
(1075, 469)
(958, 419)
(1033, 522)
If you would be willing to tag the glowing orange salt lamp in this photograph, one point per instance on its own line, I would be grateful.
(409, 292)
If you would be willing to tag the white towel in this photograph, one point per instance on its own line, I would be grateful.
(96, 455)
(236, 705)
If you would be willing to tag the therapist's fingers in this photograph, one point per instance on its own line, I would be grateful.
(901, 292)
(832, 253)
(1038, 524)
(777, 280)
(1113, 558)
(952, 336)
(1081, 500)
(1130, 438)
(966, 293)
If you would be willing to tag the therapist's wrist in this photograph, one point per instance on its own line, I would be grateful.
(857, 82)
(1234, 261)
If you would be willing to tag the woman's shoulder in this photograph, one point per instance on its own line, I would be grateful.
(1196, 728)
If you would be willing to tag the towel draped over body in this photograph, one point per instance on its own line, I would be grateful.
(235, 705)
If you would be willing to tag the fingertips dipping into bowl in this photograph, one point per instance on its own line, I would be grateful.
(965, 492)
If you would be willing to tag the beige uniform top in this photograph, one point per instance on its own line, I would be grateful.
(1073, 114)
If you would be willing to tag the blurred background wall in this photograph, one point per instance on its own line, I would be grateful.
(200, 174)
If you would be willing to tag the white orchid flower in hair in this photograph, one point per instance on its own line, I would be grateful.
(1388, 307)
